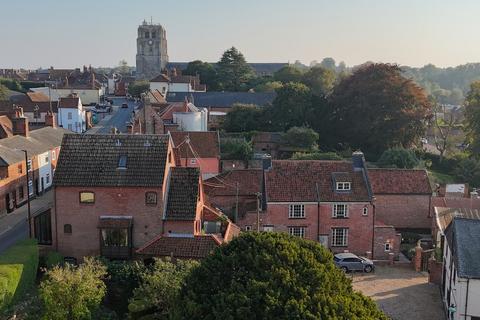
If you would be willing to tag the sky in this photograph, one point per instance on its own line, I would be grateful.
(68, 33)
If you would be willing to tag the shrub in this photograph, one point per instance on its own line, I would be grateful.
(53, 259)
(316, 156)
(271, 275)
(71, 292)
(399, 158)
(301, 137)
(236, 150)
(18, 271)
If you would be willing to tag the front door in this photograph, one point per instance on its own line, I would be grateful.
(42, 184)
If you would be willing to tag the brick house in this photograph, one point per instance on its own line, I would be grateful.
(198, 149)
(402, 198)
(115, 194)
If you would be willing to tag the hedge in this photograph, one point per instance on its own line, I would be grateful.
(18, 271)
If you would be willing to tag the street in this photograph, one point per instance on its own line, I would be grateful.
(118, 119)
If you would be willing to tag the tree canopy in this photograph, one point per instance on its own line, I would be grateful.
(138, 87)
(272, 276)
(301, 137)
(234, 71)
(289, 73)
(398, 158)
(472, 116)
(320, 80)
(206, 71)
(376, 108)
(243, 118)
(3, 93)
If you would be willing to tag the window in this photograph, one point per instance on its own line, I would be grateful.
(20, 168)
(296, 211)
(115, 237)
(340, 211)
(151, 198)
(387, 247)
(248, 228)
(87, 197)
(154, 35)
(268, 228)
(169, 157)
(297, 231)
(339, 237)
(46, 159)
(122, 162)
(365, 211)
(343, 186)
(193, 161)
(29, 165)
(67, 228)
(54, 155)
(70, 127)
(69, 116)
(21, 195)
(47, 178)
(30, 187)
(147, 34)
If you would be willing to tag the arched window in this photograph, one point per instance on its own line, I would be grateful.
(67, 228)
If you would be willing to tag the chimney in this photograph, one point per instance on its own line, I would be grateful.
(84, 68)
(19, 122)
(50, 119)
(358, 161)
(130, 128)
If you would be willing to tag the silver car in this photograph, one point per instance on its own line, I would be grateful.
(351, 262)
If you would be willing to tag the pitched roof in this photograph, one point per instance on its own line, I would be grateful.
(183, 193)
(37, 97)
(444, 216)
(463, 236)
(6, 126)
(204, 143)
(160, 78)
(40, 100)
(225, 184)
(69, 102)
(222, 99)
(297, 180)
(399, 181)
(93, 160)
(187, 246)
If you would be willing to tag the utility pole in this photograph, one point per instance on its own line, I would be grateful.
(258, 194)
(28, 195)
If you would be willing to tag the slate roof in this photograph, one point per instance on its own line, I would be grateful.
(296, 180)
(463, 237)
(399, 181)
(205, 143)
(225, 184)
(222, 99)
(187, 247)
(183, 194)
(91, 160)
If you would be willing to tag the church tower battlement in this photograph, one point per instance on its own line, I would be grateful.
(152, 56)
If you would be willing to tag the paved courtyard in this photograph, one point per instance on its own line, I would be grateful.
(401, 293)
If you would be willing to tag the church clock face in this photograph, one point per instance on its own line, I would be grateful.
(150, 42)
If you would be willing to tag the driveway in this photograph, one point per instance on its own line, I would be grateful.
(401, 293)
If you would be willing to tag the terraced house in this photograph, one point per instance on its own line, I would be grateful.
(121, 196)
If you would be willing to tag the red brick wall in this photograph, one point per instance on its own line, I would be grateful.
(383, 235)
(360, 227)
(84, 218)
(404, 211)
(207, 165)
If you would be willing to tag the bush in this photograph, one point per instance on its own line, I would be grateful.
(270, 275)
(236, 150)
(53, 259)
(316, 156)
(18, 271)
(301, 137)
(398, 158)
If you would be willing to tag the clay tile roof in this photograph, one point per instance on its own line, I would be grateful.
(93, 160)
(37, 97)
(399, 181)
(183, 194)
(68, 102)
(187, 247)
(293, 180)
(249, 182)
(6, 126)
(205, 144)
(160, 78)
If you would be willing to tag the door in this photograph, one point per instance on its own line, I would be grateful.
(8, 203)
(42, 184)
(43, 228)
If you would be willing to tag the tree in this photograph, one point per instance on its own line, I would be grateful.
(234, 71)
(468, 170)
(398, 158)
(320, 80)
(71, 292)
(301, 137)
(11, 84)
(243, 118)
(290, 107)
(136, 88)
(236, 149)
(442, 129)
(287, 74)
(376, 108)
(157, 294)
(269, 86)
(206, 71)
(123, 67)
(316, 156)
(3, 93)
(328, 63)
(272, 275)
(472, 116)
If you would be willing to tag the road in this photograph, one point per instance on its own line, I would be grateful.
(9, 238)
(118, 119)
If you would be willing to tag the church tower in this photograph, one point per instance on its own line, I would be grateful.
(152, 55)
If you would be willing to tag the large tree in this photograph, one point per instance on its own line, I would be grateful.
(376, 108)
(320, 80)
(288, 73)
(301, 137)
(243, 118)
(138, 87)
(472, 116)
(206, 71)
(3, 93)
(234, 71)
(272, 276)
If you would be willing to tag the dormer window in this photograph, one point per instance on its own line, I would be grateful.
(122, 162)
(344, 186)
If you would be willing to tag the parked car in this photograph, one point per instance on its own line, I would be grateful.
(351, 262)
(124, 105)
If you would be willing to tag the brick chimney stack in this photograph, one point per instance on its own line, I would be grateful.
(19, 122)
(50, 119)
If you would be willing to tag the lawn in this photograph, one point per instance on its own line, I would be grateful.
(18, 271)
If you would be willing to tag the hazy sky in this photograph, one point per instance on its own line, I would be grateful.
(70, 33)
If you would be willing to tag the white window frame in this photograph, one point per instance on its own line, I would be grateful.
(248, 228)
(344, 237)
(297, 231)
(387, 247)
(193, 161)
(335, 211)
(29, 165)
(69, 115)
(268, 228)
(296, 211)
(344, 186)
(365, 211)
(30, 187)
(46, 159)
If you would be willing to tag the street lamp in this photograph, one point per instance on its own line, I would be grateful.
(28, 195)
